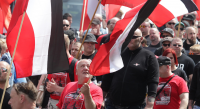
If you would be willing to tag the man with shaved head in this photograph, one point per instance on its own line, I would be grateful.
(66, 25)
(127, 87)
(191, 38)
(145, 28)
(171, 24)
(155, 38)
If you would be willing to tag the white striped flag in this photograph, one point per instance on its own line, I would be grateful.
(41, 47)
(197, 2)
(1, 21)
(108, 58)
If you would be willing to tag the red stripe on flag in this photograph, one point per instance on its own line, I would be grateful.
(197, 2)
(157, 18)
(23, 59)
(1, 21)
(128, 3)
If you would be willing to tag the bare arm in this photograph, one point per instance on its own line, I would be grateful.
(89, 103)
(191, 103)
(190, 78)
(150, 102)
(52, 86)
(184, 97)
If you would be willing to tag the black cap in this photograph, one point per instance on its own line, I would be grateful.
(189, 17)
(96, 21)
(90, 38)
(163, 60)
(70, 34)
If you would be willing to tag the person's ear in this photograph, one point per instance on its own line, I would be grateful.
(22, 98)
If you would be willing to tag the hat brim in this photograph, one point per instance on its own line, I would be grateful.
(167, 32)
(91, 41)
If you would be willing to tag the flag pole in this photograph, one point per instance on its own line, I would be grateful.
(12, 60)
(179, 25)
(83, 16)
(88, 28)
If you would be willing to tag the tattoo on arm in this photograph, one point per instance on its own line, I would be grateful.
(150, 99)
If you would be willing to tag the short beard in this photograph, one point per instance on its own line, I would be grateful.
(2, 81)
(192, 42)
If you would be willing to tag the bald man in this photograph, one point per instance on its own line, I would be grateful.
(191, 38)
(171, 24)
(5, 67)
(155, 38)
(127, 89)
(66, 25)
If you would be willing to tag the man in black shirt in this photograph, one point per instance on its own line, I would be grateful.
(5, 104)
(184, 62)
(127, 87)
(155, 38)
(165, 44)
(145, 28)
(191, 36)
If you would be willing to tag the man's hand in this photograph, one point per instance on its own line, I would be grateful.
(51, 86)
(94, 31)
(85, 89)
(150, 102)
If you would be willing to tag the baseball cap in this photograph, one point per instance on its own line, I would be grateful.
(163, 60)
(181, 23)
(96, 21)
(167, 39)
(70, 34)
(189, 17)
(168, 30)
(90, 38)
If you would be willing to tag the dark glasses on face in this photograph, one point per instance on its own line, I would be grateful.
(193, 53)
(134, 37)
(163, 36)
(4, 69)
(171, 23)
(180, 29)
(142, 26)
(65, 25)
(175, 45)
(166, 45)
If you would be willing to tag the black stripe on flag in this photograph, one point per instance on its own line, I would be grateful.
(190, 5)
(144, 12)
(57, 57)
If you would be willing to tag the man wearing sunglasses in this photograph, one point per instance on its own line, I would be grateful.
(145, 28)
(127, 87)
(191, 38)
(181, 32)
(165, 45)
(65, 25)
(171, 24)
(184, 62)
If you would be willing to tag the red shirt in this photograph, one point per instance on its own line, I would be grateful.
(169, 96)
(62, 79)
(71, 91)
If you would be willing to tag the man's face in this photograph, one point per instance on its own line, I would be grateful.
(70, 20)
(74, 50)
(191, 36)
(89, 47)
(66, 25)
(166, 34)
(4, 72)
(171, 24)
(165, 45)
(83, 70)
(145, 28)
(112, 24)
(95, 26)
(14, 100)
(162, 69)
(181, 32)
(198, 35)
(154, 35)
(177, 45)
(135, 41)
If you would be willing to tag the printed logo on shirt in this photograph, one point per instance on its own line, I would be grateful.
(181, 66)
(136, 64)
(61, 80)
(164, 97)
(70, 101)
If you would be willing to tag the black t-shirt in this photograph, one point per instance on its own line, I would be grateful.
(186, 63)
(180, 73)
(148, 40)
(5, 104)
(89, 57)
(186, 46)
(156, 46)
(9, 89)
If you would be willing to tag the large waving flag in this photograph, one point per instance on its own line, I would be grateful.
(108, 58)
(41, 47)
(90, 6)
(128, 3)
(197, 2)
(1, 21)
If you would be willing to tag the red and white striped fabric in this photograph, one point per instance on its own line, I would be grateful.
(40, 48)
(1, 21)
(90, 6)
(197, 2)
(108, 58)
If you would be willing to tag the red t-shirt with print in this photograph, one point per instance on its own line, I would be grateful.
(62, 79)
(71, 91)
(169, 96)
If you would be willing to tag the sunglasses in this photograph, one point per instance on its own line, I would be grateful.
(4, 69)
(65, 25)
(166, 45)
(193, 53)
(180, 29)
(171, 23)
(175, 45)
(163, 36)
(142, 26)
(134, 37)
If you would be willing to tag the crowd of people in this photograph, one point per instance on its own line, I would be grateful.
(161, 70)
